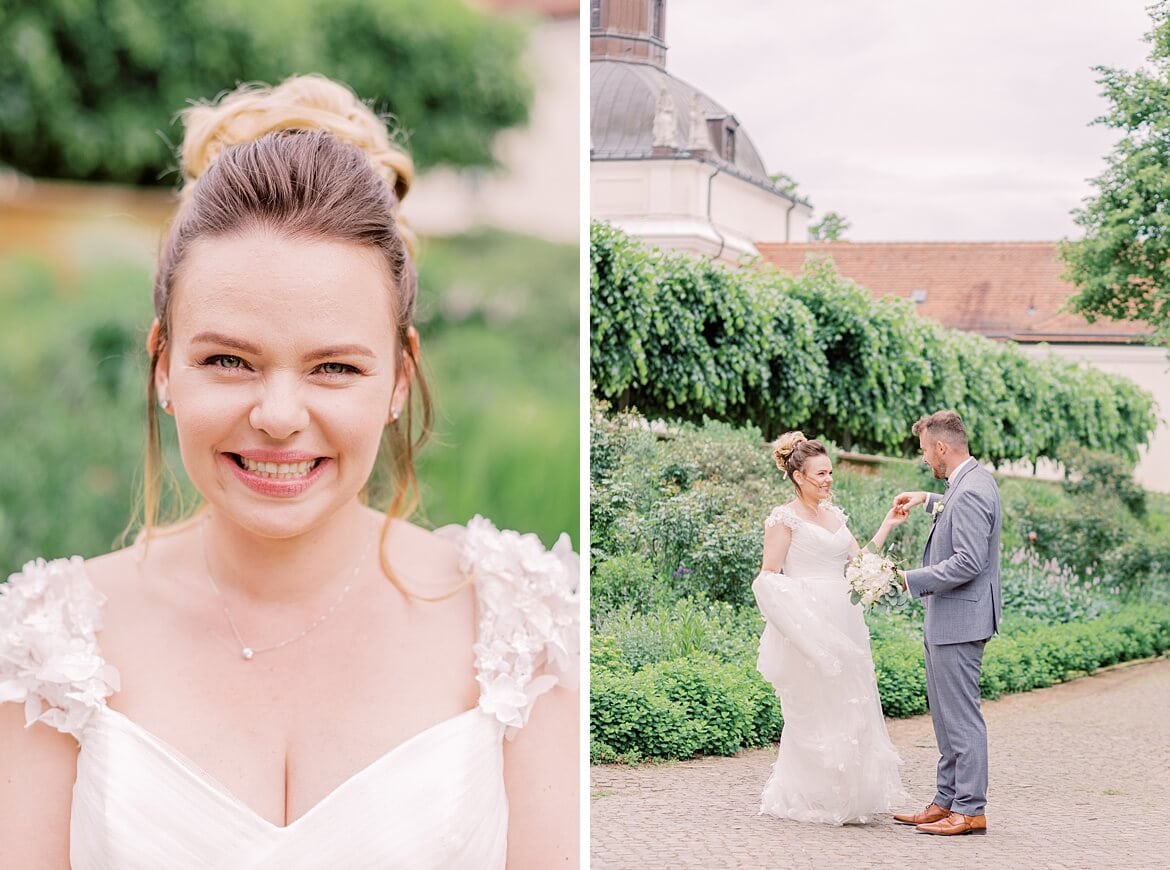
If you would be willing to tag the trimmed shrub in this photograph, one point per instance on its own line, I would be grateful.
(900, 668)
(630, 720)
(717, 706)
(703, 691)
(675, 335)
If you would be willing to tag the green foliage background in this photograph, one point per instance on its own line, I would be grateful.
(89, 89)
(680, 337)
(499, 332)
(677, 537)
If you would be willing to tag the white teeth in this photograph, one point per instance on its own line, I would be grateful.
(278, 470)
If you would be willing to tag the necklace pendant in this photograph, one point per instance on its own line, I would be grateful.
(248, 652)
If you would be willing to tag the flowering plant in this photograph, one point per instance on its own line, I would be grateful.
(938, 509)
(873, 577)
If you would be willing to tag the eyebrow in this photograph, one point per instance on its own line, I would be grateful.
(226, 341)
(241, 345)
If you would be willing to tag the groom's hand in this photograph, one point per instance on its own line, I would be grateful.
(905, 585)
(906, 500)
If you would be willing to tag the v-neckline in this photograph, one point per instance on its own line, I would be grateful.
(217, 787)
(815, 525)
(223, 793)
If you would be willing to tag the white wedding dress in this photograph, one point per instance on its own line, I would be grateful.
(836, 763)
(435, 801)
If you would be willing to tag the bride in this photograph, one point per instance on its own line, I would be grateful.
(836, 764)
(289, 679)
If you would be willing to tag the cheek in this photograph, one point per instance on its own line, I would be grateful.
(204, 415)
(353, 425)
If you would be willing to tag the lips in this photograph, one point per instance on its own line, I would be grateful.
(276, 470)
(280, 475)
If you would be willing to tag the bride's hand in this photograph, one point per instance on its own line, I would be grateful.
(896, 516)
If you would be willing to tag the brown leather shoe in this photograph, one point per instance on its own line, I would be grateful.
(956, 823)
(932, 813)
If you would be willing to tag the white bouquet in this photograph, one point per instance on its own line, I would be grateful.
(873, 577)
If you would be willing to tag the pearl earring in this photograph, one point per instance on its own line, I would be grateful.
(164, 403)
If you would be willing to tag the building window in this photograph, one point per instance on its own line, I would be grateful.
(656, 19)
(729, 145)
(595, 14)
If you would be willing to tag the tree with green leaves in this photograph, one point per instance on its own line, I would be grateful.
(786, 184)
(89, 89)
(830, 228)
(1121, 266)
(680, 337)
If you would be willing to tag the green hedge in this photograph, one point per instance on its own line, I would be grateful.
(679, 708)
(700, 705)
(678, 336)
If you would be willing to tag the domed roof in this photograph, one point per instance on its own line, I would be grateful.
(630, 118)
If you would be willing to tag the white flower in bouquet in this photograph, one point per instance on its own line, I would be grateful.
(872, 577)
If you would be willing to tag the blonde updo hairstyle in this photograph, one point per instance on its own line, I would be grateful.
(308, 160)
(792, 450)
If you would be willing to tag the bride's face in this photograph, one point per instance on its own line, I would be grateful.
(282, 371)
(815, 480)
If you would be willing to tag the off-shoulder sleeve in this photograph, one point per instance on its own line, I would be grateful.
(839, 514)
(783, 514)
(528, 638)
(50, 614)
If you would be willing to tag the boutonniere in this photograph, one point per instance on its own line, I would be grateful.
(937, 510)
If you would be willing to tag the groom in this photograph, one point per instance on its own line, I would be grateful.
(958, 584)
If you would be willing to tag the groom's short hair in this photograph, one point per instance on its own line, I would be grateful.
(945, 425)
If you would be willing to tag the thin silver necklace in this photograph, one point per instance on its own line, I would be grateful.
(249, 652)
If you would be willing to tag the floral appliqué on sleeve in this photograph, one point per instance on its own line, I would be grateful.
(529, 630)
(50, 614)
(783, 514)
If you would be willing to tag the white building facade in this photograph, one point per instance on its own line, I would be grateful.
(668, 163)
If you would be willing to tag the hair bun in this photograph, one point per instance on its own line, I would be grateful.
(309, 102)
(784, 445)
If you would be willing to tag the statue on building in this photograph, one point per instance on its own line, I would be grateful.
(700, 138)
(665, 127)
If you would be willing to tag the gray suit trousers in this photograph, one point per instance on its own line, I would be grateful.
(952, 691)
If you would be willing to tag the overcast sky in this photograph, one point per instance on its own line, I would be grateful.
(918, 119)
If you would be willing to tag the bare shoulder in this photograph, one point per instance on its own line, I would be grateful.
(113, 573)
(37, 768)
(541, 775)
(121, 571)
(426, 563)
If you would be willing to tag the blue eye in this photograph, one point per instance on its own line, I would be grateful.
(336, 368)
(224, 361)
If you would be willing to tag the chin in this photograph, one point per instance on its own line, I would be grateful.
(280, 521)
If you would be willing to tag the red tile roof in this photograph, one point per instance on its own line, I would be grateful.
(1003, 290)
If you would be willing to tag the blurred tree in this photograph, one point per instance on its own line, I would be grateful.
(89, 89)
(787, 184)
(830, 228)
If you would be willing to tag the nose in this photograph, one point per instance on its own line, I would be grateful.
(280, 410)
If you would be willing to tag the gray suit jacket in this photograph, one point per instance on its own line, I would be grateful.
(959, 581)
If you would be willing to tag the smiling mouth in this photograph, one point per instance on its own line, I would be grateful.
(276, 470)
